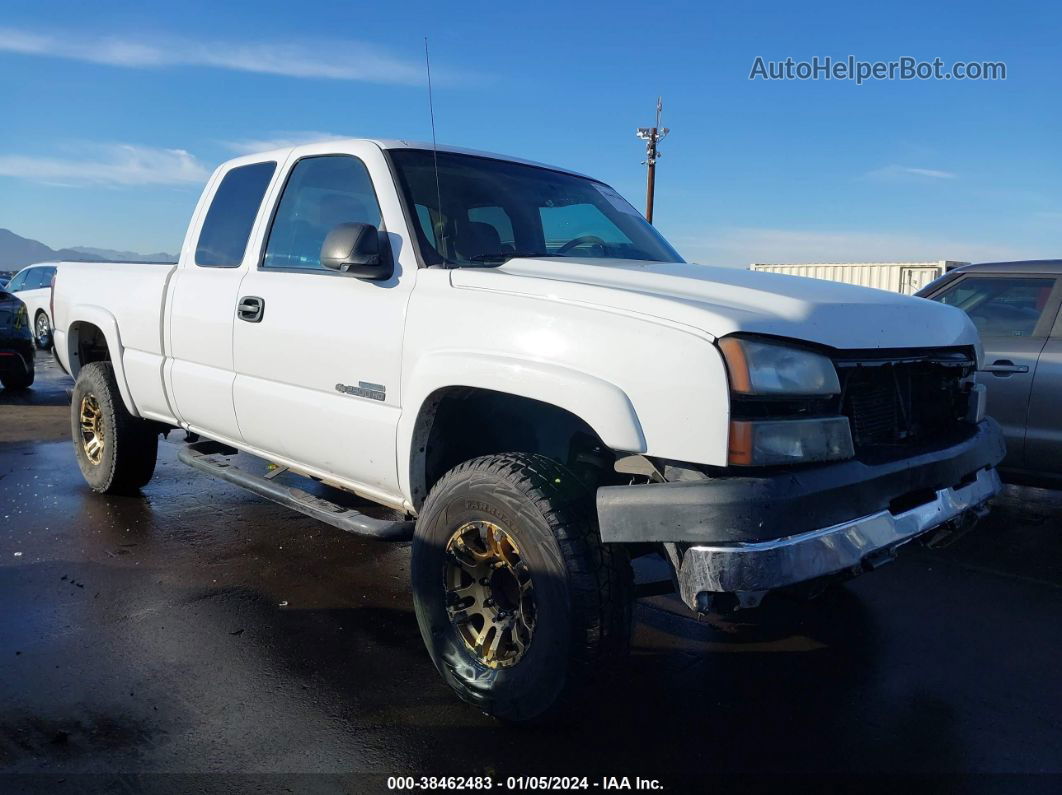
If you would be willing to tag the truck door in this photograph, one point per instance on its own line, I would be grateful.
(201, 311)
(318, 359)
(1011, 314)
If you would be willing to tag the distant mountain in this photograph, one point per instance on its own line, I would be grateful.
(122, 256)
(17, 251)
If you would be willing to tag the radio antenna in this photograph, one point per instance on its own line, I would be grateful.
(440, 226)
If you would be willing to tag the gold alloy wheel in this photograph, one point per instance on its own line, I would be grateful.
(92, 438)
(489, 594)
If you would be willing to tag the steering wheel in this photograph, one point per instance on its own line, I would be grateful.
(582, 240)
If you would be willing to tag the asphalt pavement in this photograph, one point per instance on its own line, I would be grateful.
(198, 637)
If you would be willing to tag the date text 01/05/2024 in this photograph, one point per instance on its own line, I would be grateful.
(520, 783)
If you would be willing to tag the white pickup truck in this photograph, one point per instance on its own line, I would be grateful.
(513, 360)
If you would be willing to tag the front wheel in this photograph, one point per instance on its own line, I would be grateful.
(115, 450)
(518, 601)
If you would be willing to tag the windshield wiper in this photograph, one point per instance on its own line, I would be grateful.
(501, 257)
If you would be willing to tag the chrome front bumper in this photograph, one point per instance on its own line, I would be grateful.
(752, 567)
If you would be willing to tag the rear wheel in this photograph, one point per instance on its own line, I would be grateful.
(42, 331)
(518, 601)
(115, 450)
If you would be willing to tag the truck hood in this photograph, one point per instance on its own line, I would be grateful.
(720, 301)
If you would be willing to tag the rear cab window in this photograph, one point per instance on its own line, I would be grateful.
(228, 222)
(498, 218)
(580, 222)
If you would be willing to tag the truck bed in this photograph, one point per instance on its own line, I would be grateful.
(113, 296)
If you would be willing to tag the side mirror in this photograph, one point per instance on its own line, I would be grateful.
(355, 249)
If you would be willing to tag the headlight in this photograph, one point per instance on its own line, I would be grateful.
(766, 431)
(772, 442)
(768, 368)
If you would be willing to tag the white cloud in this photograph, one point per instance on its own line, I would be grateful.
(895, 172)
(280, 140)
(742, 246)
(335, 60)
(116, 164)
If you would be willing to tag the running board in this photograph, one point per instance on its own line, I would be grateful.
(205, 457)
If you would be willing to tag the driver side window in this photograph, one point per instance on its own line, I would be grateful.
(321, 193)
(39, 278)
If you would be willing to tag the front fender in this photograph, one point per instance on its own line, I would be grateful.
(105, 322)
(601, 404)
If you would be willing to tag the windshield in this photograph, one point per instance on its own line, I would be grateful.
(493, 210)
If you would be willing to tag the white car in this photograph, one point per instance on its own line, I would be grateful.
(520, 366)
(32, 285)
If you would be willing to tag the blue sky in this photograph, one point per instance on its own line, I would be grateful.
(115, 112)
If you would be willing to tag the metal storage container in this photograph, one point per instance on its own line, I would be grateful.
(896, 277)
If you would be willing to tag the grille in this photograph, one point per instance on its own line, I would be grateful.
(873, 411)
(904, 400)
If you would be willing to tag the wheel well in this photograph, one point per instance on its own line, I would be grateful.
(456, 424)
(87, 344)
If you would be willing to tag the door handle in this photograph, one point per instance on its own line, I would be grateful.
(1003, 368)
(251, 308)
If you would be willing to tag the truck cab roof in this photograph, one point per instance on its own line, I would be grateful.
(387, 143)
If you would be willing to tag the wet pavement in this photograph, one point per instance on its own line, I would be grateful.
(200, 630)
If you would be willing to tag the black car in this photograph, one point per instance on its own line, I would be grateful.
(16, 344)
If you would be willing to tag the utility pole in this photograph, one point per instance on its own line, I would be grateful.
(652, 136)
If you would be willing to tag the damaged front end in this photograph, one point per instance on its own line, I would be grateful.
(732, 537)
(744, 572)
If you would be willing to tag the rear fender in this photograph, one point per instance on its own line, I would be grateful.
(88, 315)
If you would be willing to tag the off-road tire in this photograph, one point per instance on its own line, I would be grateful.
(130, 444)
(17, 380)
(583, 588)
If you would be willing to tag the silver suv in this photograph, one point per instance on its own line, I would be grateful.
(1015, 306)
